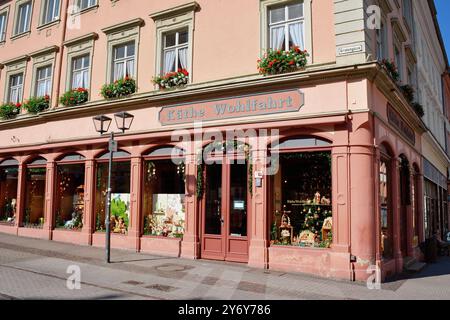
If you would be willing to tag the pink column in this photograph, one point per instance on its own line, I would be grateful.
(134, 229)
(420, 208)
(363, 211)
(49, 201)
(190, 246)
(258, 230)
(20, 194)
(89, 191)
(396, 199)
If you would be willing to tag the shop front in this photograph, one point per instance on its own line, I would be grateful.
(283, 179)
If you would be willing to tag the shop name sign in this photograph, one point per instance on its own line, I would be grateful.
(236, 107)
(397, 122)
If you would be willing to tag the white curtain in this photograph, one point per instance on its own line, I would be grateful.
(118, 70)
(85, 79)
(14, 95)
(296, 33)
(169, 61)
(77, 81)
(277, 38)
(130, 68)
(183, 54)
(41, 89)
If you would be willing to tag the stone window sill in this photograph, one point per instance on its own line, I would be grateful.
(20, 35)
(49, 24)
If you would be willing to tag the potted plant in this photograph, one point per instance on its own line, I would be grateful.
(172, 79)
(408, 92)
(119, 88)
(418, 108)
(74, 97)
(280, 61)
(37, 104)
(391, 68)
(9, 110)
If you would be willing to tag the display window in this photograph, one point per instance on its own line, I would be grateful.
(34, 215)
(164, 193)
(386, 216)
(301, 191)
(69, 200)
(9, 172)
(120, 192)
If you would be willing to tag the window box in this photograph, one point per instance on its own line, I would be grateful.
(278, 61)
(418, 108)
(120, 88)
(172, 79)
(74, 97)
(391, 69)
(9, 111)
(37, 105)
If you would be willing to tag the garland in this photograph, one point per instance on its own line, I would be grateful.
(225, 147)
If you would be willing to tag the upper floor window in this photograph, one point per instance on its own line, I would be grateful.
(23, 18)
(3, 17)
(43, 81)
(398, 56)
(175, 51)
(80, 72)
(15, 91)
(381, 42)
(51, 11)
(286, 26)
(84, 4)
(124, 61)
(408, 12)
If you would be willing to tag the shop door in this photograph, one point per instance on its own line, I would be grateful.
(225, 213)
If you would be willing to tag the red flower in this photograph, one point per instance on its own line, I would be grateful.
(185, 72)
(47, 97)
(292, 62)
(18, 105)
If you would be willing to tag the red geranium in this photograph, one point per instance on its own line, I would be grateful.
(18, 105)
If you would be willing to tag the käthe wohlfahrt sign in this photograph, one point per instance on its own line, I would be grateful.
(235, 107)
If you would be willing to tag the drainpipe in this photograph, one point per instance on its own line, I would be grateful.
(61, 53)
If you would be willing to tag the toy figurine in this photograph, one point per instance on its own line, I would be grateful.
(317, 198)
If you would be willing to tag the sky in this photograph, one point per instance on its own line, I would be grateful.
(443, 9)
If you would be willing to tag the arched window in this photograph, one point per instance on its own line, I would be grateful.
(9, 169)
(164, 193)
(69, 196)
(301, 192)
(36, 175)
(120, 192)
(386, 213)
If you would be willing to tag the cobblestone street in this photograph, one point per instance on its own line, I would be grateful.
(35, 269)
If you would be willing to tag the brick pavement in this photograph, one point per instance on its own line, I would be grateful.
(37, 269)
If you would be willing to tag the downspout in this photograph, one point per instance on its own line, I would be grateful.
(61, 53)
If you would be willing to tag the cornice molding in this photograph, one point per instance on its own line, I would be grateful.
(15, 60)
(84, 38)
(168, 13)
(398, 29)
(410, 53)
(138, 22)
(44, 51)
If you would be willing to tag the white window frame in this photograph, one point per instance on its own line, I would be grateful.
(91, 4)
(83, 70)
(266, 5)
(55, 12)
(3, 27)
(123, 61)
(177, 47)
(399, 60)
(18, 17)
(286, 24)
(382, 41)
(18, 87)
(46, 80)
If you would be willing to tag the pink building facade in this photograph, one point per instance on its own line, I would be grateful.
(347, 195)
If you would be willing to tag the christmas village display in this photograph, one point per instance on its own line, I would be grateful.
(164, 199)
(302, 212)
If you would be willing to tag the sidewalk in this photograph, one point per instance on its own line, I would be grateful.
(36, 269)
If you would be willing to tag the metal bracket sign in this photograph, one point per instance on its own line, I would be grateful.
(234, 107)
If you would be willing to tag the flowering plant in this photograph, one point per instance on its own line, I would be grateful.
(172, 79)
(9, 110)
(391, 68)
(74, 97)
(37, 104)
(279, 61)
(120, 88)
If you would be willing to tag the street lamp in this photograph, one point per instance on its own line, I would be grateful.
(102, 124)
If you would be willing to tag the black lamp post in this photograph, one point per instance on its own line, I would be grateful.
(102, 124)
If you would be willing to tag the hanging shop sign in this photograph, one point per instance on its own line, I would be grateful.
(396, 120)
(235, 107)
